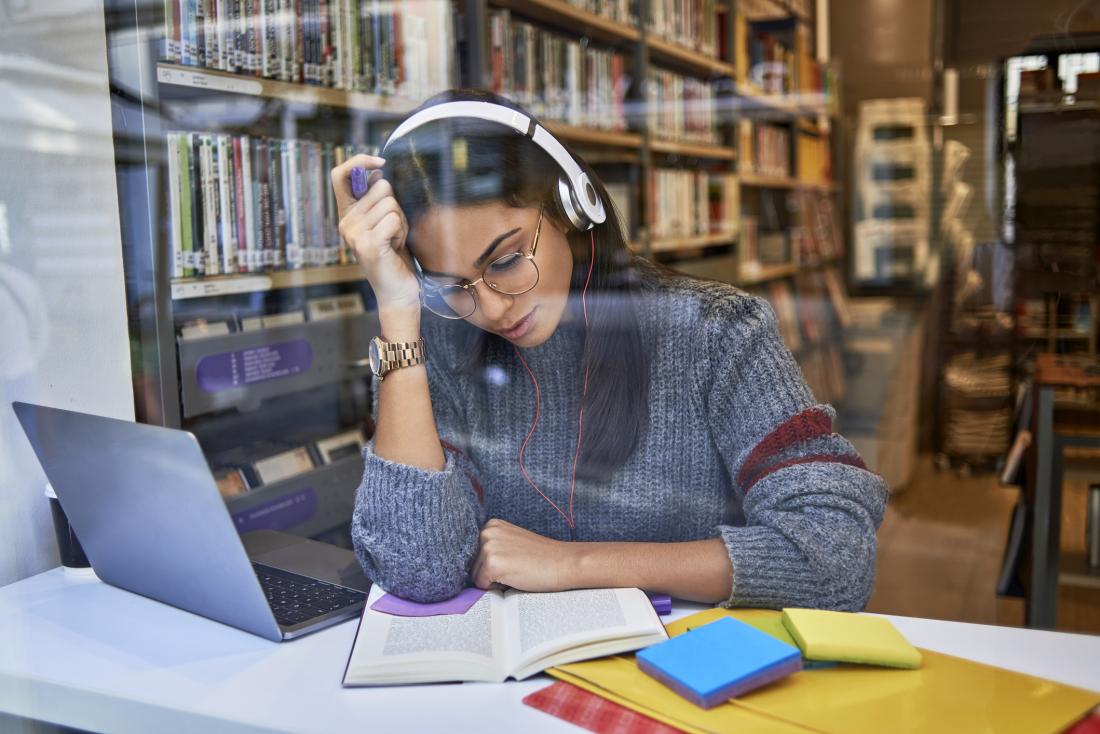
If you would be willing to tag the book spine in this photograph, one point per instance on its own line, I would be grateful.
(239, 206)
(246, 196)
(267, 206)
(171, 50)
(339, 72)
(279, 196)
(175, 235)
(210, 212)
(227, 223)
(187, 230)
(198, 215)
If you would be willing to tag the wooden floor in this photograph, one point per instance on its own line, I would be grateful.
(940, 548)
(941, 544)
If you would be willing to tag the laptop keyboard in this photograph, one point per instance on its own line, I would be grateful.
(295, 599)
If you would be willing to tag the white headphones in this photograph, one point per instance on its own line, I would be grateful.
(575, 193)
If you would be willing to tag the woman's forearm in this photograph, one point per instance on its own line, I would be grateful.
(405, 429)
(697, 570)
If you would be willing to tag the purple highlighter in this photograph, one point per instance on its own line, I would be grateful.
(358, 182)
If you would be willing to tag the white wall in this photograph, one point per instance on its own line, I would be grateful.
(63, 335)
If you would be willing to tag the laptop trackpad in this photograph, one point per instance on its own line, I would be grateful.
(306, 557)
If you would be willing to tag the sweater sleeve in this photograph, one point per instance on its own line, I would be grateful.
(811, 506)
(416, 531)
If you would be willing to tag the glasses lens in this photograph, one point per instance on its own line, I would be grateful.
(449, 301)
(512, 274)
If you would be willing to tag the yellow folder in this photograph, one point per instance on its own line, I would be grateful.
(945, 694)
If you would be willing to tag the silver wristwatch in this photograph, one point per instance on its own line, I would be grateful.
(386, 356)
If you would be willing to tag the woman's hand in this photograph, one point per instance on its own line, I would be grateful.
(376, 228)
(512, 556)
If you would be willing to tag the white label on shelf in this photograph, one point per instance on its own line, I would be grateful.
(202, 80)
(219, 287)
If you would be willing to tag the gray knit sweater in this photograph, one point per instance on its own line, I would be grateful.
(736, 447)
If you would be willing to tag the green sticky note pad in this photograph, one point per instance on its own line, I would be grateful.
(849, 638)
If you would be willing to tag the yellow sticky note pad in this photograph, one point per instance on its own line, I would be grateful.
(849, 638)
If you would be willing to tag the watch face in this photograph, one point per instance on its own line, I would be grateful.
(375, 355)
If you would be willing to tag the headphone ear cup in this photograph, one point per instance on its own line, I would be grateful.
(563, 195)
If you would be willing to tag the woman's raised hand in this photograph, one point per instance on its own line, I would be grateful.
(376, 228)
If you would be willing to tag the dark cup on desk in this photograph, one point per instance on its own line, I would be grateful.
(72, 554)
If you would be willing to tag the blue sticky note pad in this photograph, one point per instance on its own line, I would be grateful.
(718, 661)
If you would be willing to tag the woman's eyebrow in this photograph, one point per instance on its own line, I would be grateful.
(484, 257)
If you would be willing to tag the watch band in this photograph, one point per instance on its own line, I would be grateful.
(404, 354)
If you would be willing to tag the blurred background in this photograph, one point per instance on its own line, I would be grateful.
(912, 185)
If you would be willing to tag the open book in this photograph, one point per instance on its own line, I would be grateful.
(505, 634)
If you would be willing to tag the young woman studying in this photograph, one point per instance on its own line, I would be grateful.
(556, 413)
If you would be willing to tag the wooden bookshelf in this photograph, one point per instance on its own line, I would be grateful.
(222, 81)
(756, 102)
(766, 273)
(571, 19)
(699, 150)
(665, 53)
(673, 244)
(594, 136)
(223, 285)
(784, 182)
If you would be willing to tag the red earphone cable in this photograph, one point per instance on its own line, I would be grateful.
(584, 396)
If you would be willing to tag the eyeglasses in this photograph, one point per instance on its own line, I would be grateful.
(511, 274)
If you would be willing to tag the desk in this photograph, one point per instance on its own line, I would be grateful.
(80, 653)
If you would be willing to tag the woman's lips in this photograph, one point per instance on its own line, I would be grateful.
(521, 327)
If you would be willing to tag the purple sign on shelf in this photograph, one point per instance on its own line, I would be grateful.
(228, 370)
(279, 514)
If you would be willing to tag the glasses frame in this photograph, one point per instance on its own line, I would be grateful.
(469, 286)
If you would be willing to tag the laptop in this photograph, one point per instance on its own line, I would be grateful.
(149, 516)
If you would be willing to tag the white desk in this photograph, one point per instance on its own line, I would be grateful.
(80, 653)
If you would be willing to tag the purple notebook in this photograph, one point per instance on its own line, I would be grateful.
(662, 603)
(459, 604)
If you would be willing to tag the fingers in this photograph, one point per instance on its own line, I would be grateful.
(341, 177)
(486, 565)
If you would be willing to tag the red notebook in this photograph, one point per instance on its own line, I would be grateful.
(589, 711)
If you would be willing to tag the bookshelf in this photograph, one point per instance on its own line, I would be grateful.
(266, 340)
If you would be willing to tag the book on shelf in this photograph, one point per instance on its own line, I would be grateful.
(689, 24)
(815, 164)
(283, 465)
(764, 149)
(241, 204)
(404, 48)
(511, 634)
(686, 203)
(620, 11)
(681, 108)
(554, 76)
(782, 301)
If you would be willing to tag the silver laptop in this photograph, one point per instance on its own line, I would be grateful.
(145, 508)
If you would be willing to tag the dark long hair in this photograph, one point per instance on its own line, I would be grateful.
(460, 161)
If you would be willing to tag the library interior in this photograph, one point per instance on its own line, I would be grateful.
(811, 287)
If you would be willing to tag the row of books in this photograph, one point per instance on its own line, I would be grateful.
(620, 11)
(689, 23)
(220, 323)
(402, 47)
(770, 59)
(234, 481)
(762, 9)
(556, 76)
(681, 108)
(242, 204)
(764, 149)
(684, 203)
(814, 227)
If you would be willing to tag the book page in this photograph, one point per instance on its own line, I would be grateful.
(540, 625)
(394, 649)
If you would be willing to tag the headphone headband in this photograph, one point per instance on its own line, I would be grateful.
(576, 193)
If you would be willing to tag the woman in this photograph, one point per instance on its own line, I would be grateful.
(583, 419)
